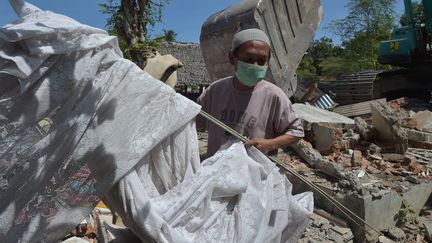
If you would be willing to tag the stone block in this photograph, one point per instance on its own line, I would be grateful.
(311, 114)
(366, 131)
(418, 138)
(384, 121)
(396, 234)
(428, 229)
(380, 212)
(323, 137)
(423, 120)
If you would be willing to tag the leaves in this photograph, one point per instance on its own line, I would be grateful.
(169, 35)
(365, 16)
(418, 9)
(130, 20)
(367, 24)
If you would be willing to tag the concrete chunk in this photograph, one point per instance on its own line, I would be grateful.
(423, 121)
(316, 160)
(366, 131)
(418, 138)
(325, 137)
(396, 234)
(388, 128)
(428, 229)
(311, 114)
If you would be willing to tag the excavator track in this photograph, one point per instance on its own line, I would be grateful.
(410, 82)
(369, 85)
(351, 88)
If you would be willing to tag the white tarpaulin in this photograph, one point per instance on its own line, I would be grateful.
(78, 121)
(236, 196)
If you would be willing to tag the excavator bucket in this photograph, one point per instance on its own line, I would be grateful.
(290, 25)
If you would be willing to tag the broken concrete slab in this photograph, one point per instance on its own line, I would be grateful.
(396, 234)
(321, 229)
(323, 137)
(428, 229)
(317, 161)
(366, 131)
(424, 121)
(389, 130)
(418, 138)
(311, 114)
(381, 211)
(327, 139)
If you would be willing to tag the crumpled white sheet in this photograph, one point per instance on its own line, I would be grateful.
(236, 196)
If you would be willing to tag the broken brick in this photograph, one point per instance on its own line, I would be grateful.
(416, 168)
(365, 163)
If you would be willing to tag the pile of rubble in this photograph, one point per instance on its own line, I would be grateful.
(377, 164)
(393, 141)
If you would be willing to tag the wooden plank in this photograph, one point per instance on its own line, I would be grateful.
(357, 109)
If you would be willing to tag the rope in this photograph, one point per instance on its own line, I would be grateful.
(348, 213)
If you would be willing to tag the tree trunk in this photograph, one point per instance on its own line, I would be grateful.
(134, 13)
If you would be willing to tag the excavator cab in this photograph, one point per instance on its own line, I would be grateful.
(410, 45)
(398, 51)
(410, 49)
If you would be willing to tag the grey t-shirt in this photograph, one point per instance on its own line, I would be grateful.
(264, 112)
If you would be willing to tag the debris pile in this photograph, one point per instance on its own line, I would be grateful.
(322, 229)
(377, 164)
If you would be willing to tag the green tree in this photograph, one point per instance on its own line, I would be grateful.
(130, 20)
(322, 49)
(334, 66)
(306, 70)
(169, 35)
(365, 16)
(367, 24)
(417, 11)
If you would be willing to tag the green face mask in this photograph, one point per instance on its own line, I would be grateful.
(249, 74)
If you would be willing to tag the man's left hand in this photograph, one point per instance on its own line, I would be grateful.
(264, 145)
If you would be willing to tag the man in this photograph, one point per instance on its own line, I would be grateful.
(252, 106)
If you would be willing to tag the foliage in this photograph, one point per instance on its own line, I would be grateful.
(406, 212)
(130, 21)
(367, 24)
(417, 11)
(114, 21)
(335, 66)
(306, 70)
(310, 67)
(365, 16)
(169, 35)
(152, 9)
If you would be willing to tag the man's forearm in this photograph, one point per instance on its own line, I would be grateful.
(272, 144)
(284, 140)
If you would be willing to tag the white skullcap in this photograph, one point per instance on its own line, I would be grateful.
(249, 35)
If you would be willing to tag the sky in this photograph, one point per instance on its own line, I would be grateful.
(185, 17)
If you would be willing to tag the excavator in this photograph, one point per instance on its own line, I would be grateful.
(410, 49)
